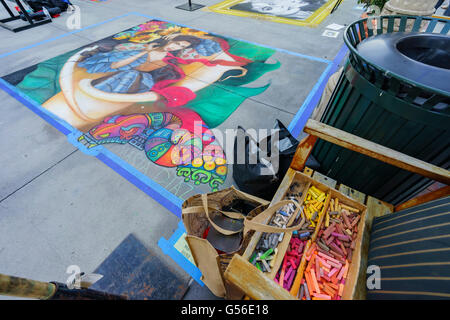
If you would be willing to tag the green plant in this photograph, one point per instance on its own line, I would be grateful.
(367, 3)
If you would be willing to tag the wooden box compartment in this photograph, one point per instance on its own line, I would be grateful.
(304, 183)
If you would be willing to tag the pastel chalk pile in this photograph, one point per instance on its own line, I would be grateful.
(291, 262)
(337, 235)
(329, 256)
(312, 206)
(310, 211)
(266, 250)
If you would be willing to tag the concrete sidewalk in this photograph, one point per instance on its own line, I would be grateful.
(60, 207)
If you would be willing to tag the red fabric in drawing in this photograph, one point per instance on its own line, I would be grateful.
(179, 96)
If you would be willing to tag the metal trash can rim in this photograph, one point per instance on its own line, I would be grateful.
(354, 50)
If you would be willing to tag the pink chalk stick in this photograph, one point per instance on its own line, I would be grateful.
(327, 257)
(291, 279)
(341, 273)
(340, 236)
(336, 248)
(334, 264)
(293, 264)
(288, 273)
(332, 272)
(326, 277)
(326, 265)
(322, 296)
(329, 240)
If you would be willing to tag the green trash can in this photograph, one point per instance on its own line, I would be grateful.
(393, 99)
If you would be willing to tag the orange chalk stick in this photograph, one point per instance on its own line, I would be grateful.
(300, 273)
(311, 249)
(334, 279)
(332, 285)
(309, 282)
(314, 281)
(328, 290)
(325, 269)
(281, 277)
(317, 269)
(341, 289)
(310, 265)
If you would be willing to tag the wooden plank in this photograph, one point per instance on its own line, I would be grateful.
(308, 171)
(373, 150)
(324, 179)
(437, 194)
(352, 193)
(253, 282)
(302, 153)
(375, 208)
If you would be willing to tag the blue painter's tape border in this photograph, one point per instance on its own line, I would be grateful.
(141, 181)
(168, 248)
(303, 114)
(59, 124)
(144, 183)
(160, 194)
(3, 55)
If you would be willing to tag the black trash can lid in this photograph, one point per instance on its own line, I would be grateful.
(420, 57)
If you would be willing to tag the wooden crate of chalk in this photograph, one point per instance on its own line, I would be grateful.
(321, 260)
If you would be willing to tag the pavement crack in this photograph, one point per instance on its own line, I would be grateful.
(40, 174)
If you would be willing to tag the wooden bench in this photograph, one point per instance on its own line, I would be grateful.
(255, 284)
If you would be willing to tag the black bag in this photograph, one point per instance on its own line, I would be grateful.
(262, 179)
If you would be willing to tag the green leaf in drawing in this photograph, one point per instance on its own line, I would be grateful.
(216, 103)
(43, 83)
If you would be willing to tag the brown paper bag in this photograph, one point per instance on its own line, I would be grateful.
(197, 214)
(197, 217)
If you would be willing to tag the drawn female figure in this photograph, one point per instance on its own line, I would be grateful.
(140, 68)
(135, 87)
(137, 67)
(293, 9)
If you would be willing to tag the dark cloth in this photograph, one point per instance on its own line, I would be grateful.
(439, 4)
(412, 249)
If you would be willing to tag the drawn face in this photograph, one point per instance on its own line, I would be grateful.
(176, 45)
(278, 8)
